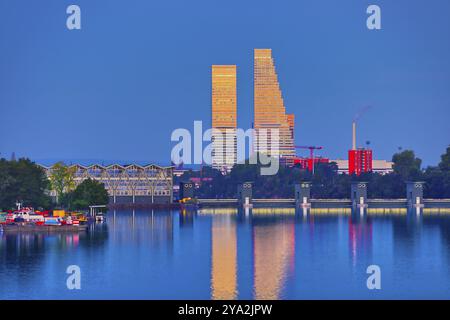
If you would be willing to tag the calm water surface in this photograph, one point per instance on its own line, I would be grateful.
(222, 255)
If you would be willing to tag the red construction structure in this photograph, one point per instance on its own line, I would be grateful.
(307, 163)
(310, 163)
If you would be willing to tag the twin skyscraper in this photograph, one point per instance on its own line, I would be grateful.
(273, 132)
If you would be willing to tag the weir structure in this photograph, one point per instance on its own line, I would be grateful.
(303, 194)
(357, 202)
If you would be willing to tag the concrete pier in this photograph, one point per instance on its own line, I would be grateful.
(187, 190)
(359, 194)
(414, 194)
(303, 195)
(245, 194)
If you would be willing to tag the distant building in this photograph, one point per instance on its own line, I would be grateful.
(179, 172)
(307, 163)
(342, 165)
(382, 166)
(224, 117)
(197, 181)
(270, 112)
(378, 166)
(129, 183)
(359, 161)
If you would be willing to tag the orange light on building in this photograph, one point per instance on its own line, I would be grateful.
(224, 116)
(269, 110)
(291, 123)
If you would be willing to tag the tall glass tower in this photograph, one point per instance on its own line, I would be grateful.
(274, 131)
(224, 116)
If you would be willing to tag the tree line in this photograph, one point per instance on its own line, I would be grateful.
(326, 182)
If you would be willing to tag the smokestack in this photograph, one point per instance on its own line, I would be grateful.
(354, 135)
(356, 118)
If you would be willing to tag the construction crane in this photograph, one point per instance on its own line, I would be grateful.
(311, 153)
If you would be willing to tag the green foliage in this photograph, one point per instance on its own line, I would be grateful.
(62, 179)
(89, 192)
(24, 181)
(444, 165)
(438, 178)
(407, 165)
(437, 183)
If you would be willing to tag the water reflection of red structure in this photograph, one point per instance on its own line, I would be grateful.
(273, 258)
(360, 237)
(71, 240)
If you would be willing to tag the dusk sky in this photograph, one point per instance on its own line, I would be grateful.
(137, 70)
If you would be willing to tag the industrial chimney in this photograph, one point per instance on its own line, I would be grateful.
(354, 135)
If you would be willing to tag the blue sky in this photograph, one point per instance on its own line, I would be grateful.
(137, 70)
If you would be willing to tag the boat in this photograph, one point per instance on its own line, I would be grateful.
(99, 217)
(3, 217)
(25, 214)
(53, 221)
(29, 220)
(188, 204)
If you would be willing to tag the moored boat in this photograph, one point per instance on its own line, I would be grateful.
(99, 217)
(2, 217)
(29, 220)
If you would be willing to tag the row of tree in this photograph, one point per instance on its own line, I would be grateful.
(24, 181)
(326, 182)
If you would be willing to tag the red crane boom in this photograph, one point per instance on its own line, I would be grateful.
(311, 149)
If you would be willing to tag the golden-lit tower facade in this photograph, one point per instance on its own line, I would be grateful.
(224, 116)
(291, 123)
(269, 111)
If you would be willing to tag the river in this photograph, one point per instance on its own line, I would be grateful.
(219, 254)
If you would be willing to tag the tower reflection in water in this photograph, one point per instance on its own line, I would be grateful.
(224, 258)
(273, 256)
(273, 250)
